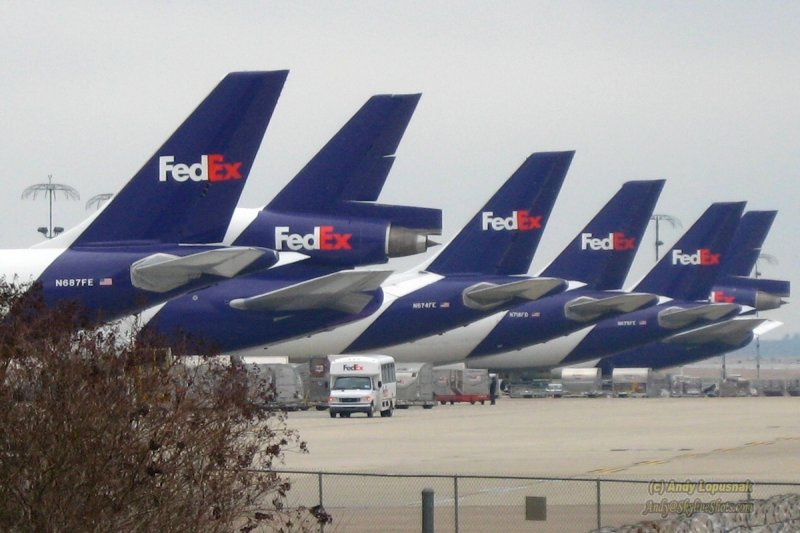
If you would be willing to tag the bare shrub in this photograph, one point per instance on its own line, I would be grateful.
(101, 433)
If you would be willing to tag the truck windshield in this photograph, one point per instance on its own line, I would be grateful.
(353, 382)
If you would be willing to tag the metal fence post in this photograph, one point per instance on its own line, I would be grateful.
(455, 501)
(598, 505)
(427, 511)
(321, 506)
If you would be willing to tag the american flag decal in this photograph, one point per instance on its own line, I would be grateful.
(106, 282)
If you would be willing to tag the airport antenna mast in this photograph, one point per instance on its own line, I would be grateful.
(674, 222)
(50, 190)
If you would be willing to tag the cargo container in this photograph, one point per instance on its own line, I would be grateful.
(285, 382)
(582, 382)
(630, 381)
(415, 385)
(685, 386)
(534, 388)
(461, 385)
(793, 387)
(772, 387)
(735, 386)
(319, 381)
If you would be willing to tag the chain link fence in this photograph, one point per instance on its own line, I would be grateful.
(476, 504)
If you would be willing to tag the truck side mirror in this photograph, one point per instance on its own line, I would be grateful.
(380, 384)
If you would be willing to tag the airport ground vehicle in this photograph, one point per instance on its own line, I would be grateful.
(362, 384)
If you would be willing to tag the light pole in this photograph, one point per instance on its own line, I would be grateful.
(50, 190)
(757, 273)
(674, 222)
(98, 199)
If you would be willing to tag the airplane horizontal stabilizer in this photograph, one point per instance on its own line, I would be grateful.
(678, 317)
(344, 291)
(766, 327)
(585, 308)
(162, 272)
(488, 295)
(731, 332)
(772, 286)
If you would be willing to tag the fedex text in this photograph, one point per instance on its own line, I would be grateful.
(519, 220)
(703, 257)
(616, 241)
(211, 167)
(323, 238)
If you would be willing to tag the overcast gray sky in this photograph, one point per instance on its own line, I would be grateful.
(704, 94)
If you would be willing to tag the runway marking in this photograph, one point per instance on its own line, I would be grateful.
(613, 470)
(607, 470)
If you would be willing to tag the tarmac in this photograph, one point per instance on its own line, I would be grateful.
(731, 439)
(746, 441)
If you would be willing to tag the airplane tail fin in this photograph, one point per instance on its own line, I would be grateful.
(187, 191)
(747, 241)
(502, 237)
(690, 268)
(602, 253)
(354, 164)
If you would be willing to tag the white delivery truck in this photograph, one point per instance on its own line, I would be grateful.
(362, 384)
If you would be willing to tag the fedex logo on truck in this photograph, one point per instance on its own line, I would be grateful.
(355, 367)
(616, 241)
(323, 238)
(212, 167)
(702, 257)
(519, 220)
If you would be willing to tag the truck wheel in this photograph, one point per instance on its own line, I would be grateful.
(333, 415)
(426, 406)
(370, 413)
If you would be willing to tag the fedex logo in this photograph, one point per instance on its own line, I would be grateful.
(355, 367)
(323, 238)
(519, 220)
(210, 168)
(616, 241)
(703, 257)
(720, 297)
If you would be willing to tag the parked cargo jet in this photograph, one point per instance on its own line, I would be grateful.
(714, 339)
(596, 262)
(689, 346)
(683, 276)
(156, 238)
(327, 212)
(480, 271)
